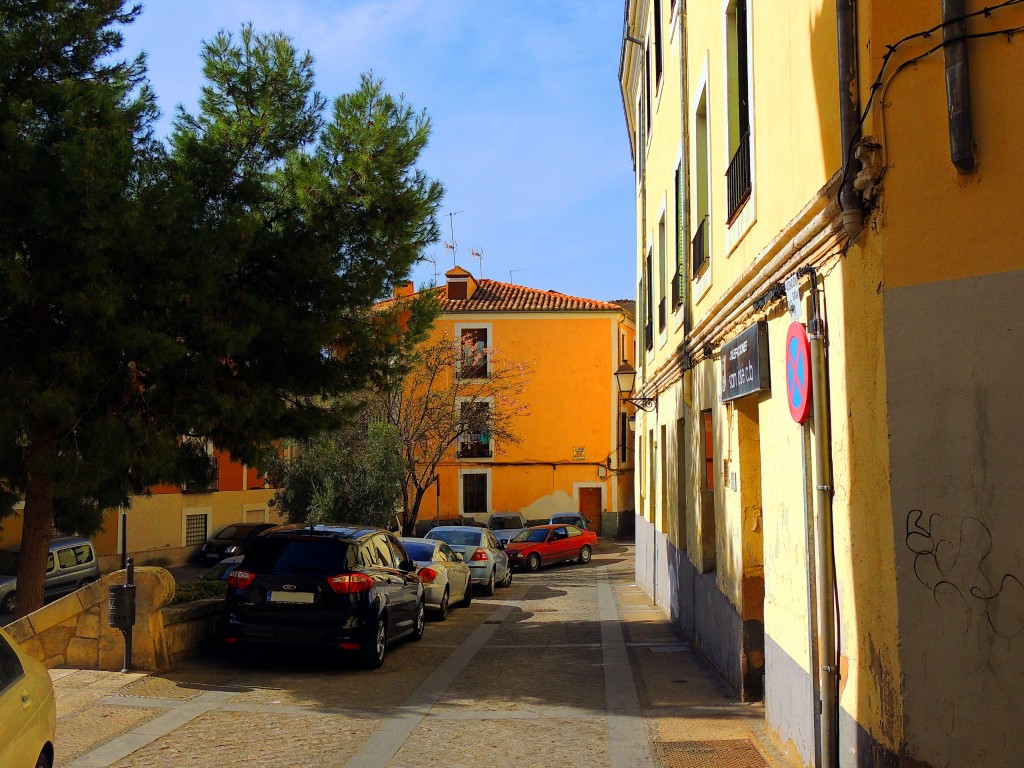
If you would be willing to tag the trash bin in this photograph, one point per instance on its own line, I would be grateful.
(122, 606)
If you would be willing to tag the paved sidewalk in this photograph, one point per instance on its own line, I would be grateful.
(567, 666)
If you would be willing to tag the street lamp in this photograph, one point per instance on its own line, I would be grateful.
(625, 378)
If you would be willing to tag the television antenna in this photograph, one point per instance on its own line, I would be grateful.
(479, 256)
(511, 271)
(452, 245)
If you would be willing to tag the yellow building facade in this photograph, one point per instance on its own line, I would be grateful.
(571, 454)
(864, 561)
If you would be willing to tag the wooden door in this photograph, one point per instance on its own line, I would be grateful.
(590, 507)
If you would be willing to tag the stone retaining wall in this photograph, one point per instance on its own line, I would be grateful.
(74, 631)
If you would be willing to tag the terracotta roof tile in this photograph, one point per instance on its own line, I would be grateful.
(494, 296)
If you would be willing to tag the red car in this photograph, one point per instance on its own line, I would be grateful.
(543, 544)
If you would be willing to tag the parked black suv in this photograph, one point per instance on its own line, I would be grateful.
(347, 587)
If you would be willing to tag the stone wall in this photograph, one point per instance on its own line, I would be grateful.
(189, 627)
(74, 632)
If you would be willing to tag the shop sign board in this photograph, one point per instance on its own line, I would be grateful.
(745, 363)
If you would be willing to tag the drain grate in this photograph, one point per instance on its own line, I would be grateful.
(723, 753)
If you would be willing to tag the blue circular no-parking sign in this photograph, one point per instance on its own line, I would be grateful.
(798, 372)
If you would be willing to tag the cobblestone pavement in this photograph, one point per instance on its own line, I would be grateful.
(568, 666)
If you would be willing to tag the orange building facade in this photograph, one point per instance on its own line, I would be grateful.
(575, 450)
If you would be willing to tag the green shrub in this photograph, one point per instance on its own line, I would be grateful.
(199, 590)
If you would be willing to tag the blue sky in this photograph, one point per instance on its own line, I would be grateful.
(528, 134)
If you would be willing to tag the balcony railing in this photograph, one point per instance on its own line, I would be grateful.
(474, 448)
(738, 177)
(698, 247)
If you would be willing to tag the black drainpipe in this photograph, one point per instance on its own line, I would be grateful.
(958, 86)
(849, 113)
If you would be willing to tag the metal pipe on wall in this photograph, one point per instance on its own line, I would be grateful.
(824, 554)
(958, 86)
(849, 114)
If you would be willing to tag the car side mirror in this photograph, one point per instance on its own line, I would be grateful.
(502, 543)
(459, 557)
(408, 566)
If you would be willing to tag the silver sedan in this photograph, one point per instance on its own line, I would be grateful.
(444, 573)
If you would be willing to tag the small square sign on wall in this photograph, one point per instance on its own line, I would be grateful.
(579, 453)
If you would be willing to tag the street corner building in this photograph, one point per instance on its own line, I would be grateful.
(572, 453)
(830, 333)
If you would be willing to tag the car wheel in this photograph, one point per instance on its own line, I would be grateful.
(442, 612)
(533, 561)
(10, 603)
(468, 598)
(43, 761)
(376, 645)
(507, 581)
(489, 586)
(585, 554)
(421, 620)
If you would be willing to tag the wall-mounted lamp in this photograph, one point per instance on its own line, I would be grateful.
(625, 378)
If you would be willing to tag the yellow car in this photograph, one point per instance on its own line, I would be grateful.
(28, 712)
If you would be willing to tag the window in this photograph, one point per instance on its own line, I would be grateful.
(709, 451)
(640, 139)
(701, 244)
(679, 279)
(475, 362)
(51, 564)
(623, 438)
(738, 176)
(65, 557)
(658, 55)
(647, 90)
(381, 552)
(662, 272)
(195, 530)
(474, 493)
(206, 476)
(10, 666)
(475, 442)
(649, 319)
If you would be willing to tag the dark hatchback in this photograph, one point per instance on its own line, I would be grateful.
(233, 540)
(347, 587)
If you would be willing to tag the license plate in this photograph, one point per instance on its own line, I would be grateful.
(290, 597)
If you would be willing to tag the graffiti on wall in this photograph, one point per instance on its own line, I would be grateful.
(950, 559)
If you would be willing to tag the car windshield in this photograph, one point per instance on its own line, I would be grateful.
(505, 523)
(304, 556)
(417, 550)
(235, 532)
(532, 534)
(8, 562)
(564, 518)
(463, 538)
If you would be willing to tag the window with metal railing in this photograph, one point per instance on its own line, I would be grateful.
(698, 247)
(661, 314)
(738, 177)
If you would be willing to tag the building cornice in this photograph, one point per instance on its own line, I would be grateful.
(807, 240)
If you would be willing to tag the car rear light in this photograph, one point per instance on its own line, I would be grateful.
(349, 646)
(427, 575)
(350, 583)
(479, 555)
(240, 579)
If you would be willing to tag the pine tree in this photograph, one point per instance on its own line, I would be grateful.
(219, 288)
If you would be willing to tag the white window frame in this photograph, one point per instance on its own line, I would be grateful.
(490, 488)
(735, 231)
(458, 404)
(489, 329)
(702, 283)
(247, 508)
(188, 512)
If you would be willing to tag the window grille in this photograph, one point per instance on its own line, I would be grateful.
(195, 530)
